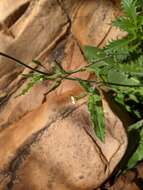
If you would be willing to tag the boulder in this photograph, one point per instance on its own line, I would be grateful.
(46, 141)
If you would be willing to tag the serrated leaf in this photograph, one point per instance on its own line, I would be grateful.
(134, 67)
(130, 8)
(124, 24)
(117, 45)
(98, 58)
(96, 110)
(97, 115)
(93, 53)
(118, 77)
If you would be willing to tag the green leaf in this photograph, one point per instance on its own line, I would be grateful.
(131, 156)
(96, 110)
(35, 78)
(98, 58)
(130, 8)
(87, 86)
(118, 77)
(124, 24)
(138, 154)
(136, 125)
(97, 115)
(93, 53)
(134, 67)
(118, 47)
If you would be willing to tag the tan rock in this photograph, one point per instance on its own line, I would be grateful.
(47, 142)
(61, 152)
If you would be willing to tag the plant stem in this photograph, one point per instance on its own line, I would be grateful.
(21, 63)
(68, 73)
(102, 82)
(39, 63)
(84, 68)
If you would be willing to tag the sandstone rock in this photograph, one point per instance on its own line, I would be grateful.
(47, 142)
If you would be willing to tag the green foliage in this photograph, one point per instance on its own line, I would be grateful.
(134, 152)
(116, 76)
(132, 23)
(118, 67)
(124, 66)
(34, 79)
(122, 71)
(129, 7)
(138, 154)
(97, 115)
(134, 68)
(95, 110)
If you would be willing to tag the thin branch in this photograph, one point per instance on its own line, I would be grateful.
(102, 82)
(21, 63)
(82, 69)
(70, 72)
(60, 66)
(53, 86)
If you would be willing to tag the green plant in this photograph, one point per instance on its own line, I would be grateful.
(117, 66)
(56, 76)
(124, 67)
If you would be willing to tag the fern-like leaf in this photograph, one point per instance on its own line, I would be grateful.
(130, 9)
(124, 24)
(119, 48)
(133, 67)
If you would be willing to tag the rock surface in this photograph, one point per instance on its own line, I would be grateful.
(46, 142)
